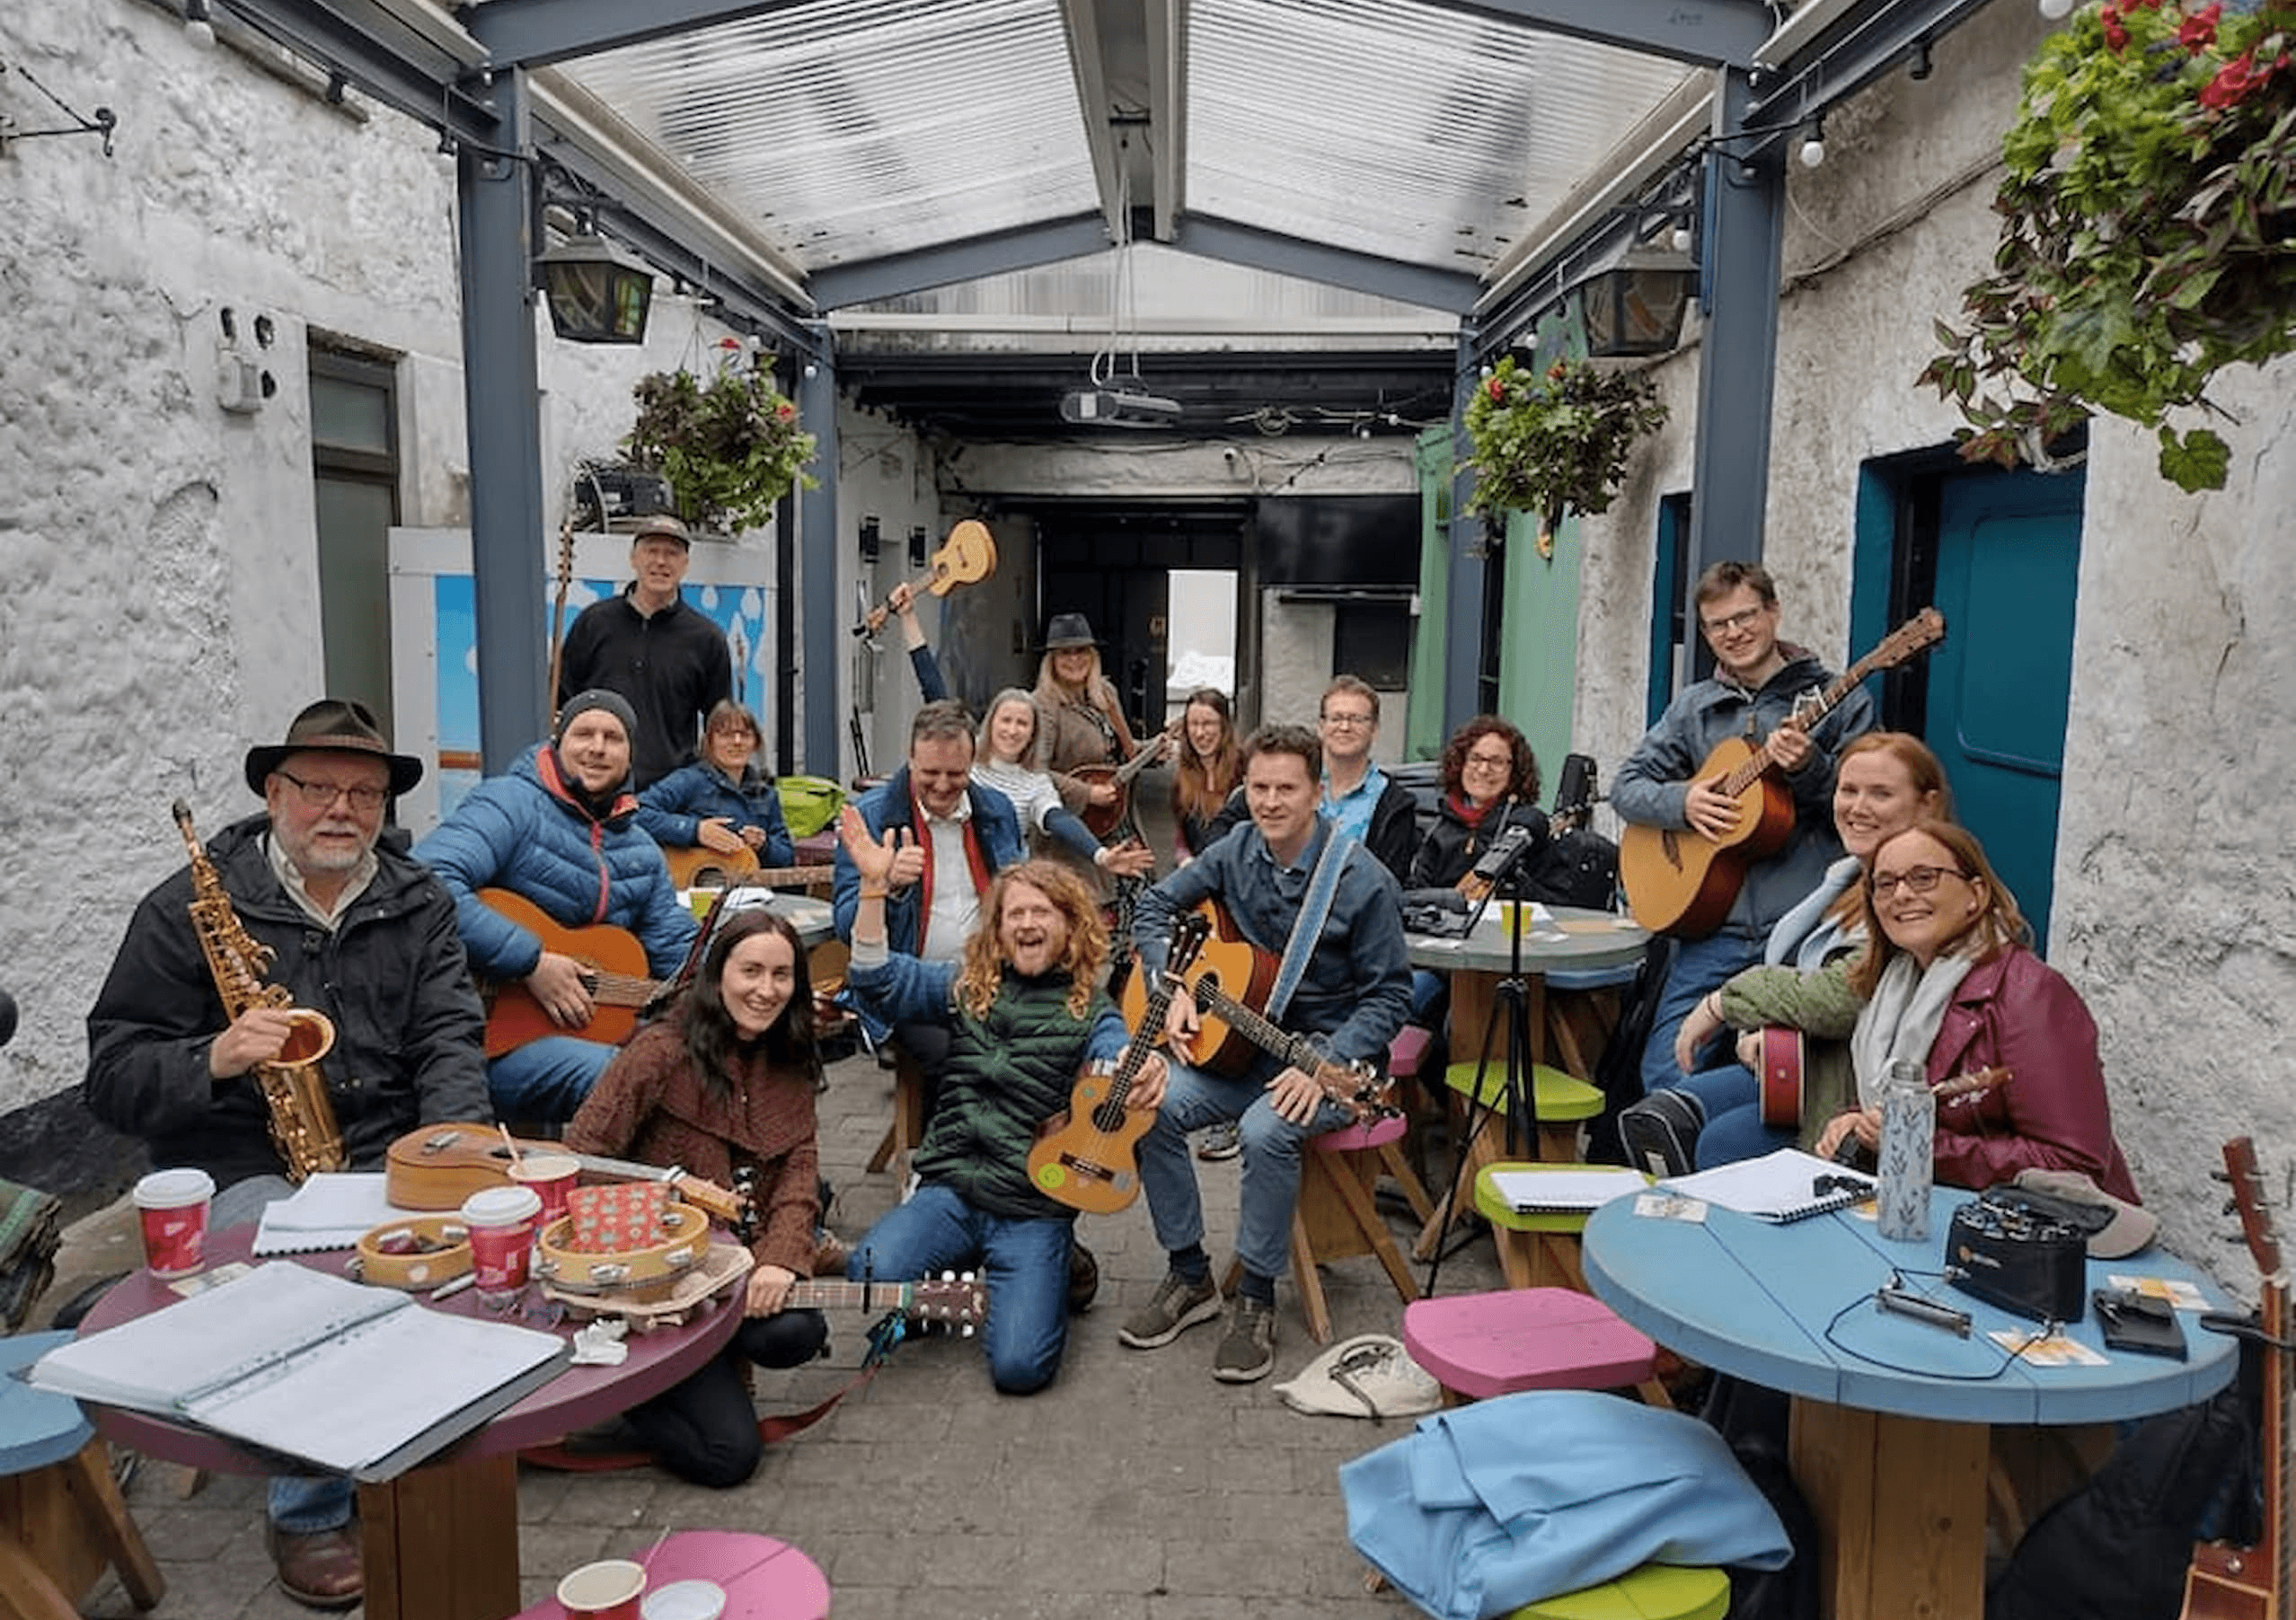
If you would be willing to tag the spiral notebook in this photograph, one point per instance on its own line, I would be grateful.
(356, 1380)
(1780, 1186)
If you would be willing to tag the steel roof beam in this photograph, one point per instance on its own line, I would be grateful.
(1082, 24)
(1167, 112)
(534, 33)
(1709, 32)
(1256, 248)
(1844, 63)
(417, 72)
(999, 252)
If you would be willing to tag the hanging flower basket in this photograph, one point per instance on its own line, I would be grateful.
(1547, 440)
(730, 447)
(2146, 233)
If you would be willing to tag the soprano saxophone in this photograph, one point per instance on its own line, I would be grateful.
(303, 1121)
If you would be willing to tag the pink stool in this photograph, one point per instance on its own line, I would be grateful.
(1334, 1218)
(1407, 1050)
(760, 1575)
(1481, 1345)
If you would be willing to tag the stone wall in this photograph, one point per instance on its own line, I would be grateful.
(2173, 913)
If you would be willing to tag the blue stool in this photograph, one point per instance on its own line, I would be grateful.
(62, 1521)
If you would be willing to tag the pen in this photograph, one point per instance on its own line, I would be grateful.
(447, 1291)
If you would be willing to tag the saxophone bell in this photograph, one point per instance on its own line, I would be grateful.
(311, 1035)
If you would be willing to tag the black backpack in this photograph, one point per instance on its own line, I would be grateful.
(1577, 869)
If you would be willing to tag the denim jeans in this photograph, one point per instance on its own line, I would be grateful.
(1271, 1164)
(1025, 1262)
(301, 1505)
(1699, 965)
(544, 1081)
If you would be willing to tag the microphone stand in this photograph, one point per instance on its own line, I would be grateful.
(1510, 1020)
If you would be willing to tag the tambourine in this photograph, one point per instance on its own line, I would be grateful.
(417, 1252)
(639, 1275)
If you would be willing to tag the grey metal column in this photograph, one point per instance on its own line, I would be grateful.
(821, 632)
(1462, 607)
(1742, 241)
(499, 394)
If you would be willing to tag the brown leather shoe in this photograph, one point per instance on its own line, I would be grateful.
(320, 1570)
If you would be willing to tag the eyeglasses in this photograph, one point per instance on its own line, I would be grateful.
(1914, 880)
(1492, 762)
(1742, 620)
(321, 796)
(1349, 722)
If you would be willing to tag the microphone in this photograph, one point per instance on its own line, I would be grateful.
(1505, 854)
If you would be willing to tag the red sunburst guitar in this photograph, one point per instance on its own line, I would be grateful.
(2226, 1582)
(614, 970)
(1679, 881)
(1088, 1156)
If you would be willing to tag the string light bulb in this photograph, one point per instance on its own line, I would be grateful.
(2056, 10)
(198, 26)
(1682, 239)
(1813, 144)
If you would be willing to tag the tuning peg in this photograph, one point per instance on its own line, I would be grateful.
(966, 1332)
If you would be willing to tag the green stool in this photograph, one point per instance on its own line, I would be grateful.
(1537, 1248)
(1561, 1101)
(1656, 1591)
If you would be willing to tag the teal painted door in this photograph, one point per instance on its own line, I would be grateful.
(2007, 563)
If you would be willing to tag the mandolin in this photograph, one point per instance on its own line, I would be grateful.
(614, 972)
(2228, 1582)
(1679, 882)
(437, 1167)
(967, 557)
(1087, 1157)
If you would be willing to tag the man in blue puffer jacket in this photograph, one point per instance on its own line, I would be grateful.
(559, 831)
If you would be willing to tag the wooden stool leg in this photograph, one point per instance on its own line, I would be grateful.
(88, 1477)
(1356, 1196)
(26, 1593)
(1518, 1256)
(1399, 1170)
(1312, 1303)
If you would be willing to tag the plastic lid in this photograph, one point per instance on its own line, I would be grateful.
(171, 1189)
(684, 1601)
(502, 1206)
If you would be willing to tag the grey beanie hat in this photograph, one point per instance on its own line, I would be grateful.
(597, 697)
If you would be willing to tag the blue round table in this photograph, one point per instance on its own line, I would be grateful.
(1892, 1415)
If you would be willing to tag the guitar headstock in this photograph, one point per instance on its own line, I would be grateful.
(1190, 930)
(733, 1207)
(2241, 1170)
(1926, 628)
(959, 1302)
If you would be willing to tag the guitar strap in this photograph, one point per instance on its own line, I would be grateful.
(1315, 907)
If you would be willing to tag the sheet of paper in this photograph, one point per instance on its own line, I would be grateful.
(1778, 1186)
(1565, 1189)
(328, 1211)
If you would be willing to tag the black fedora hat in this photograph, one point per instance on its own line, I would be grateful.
(1067, 631)
(335, 726)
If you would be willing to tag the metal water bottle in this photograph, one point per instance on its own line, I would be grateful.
(1908, 1132)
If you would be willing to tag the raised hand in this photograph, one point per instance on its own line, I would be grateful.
(874, 858)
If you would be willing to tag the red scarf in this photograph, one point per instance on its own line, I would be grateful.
(1467, 813)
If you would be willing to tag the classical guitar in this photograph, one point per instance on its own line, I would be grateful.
(966, 556)
(2228, 1582)
(437, 1167)
(613, 970)
(1231, 963)
(1087, 1157)
(1679, 882)
(1105, 819)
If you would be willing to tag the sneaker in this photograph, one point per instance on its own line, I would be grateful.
(1176, 1305)
(1248, 1349)
(1222, 1140)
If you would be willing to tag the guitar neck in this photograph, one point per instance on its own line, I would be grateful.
(1254, 1026)
(1924, 629)
(1143, 1042)
(766, 877)
(822, 1294)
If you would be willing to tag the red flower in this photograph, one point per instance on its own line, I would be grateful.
(2234, 83)
(1497, 391)
(784, 411)
(2115, 36)
(728, 343)
(2199, 30)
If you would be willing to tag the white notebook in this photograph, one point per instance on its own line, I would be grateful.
(358, 1380)
(1779, 1186)
(329, 1211)
(1564, 1192)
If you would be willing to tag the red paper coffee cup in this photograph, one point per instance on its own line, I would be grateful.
(172, 1206)
(501, 1221)
(608, 1590)
(553, 1176)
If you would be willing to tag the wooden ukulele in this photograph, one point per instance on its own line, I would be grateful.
(967, 557)
(1230, 963)
(1679, 882)
(1088, 1156)
(2253, 1583)
(615, 973)
(437, 1167)
(1105, 819)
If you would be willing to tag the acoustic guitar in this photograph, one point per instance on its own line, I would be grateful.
(1087, 1157)
(966, 556)
(2228, 1582)
(1679, 882)
(614, 972)
(437, 1166)
(1357, 1086)
(1229, 962)
(697, 865)
(1783, 1052)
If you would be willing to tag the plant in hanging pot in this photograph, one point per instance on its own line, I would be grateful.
(1546, 440)
(730, 447)
(2148, 232)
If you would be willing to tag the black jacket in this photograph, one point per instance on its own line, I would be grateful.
(1392, 836)
(672, 667)
(390, 976)
(1452, 847)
